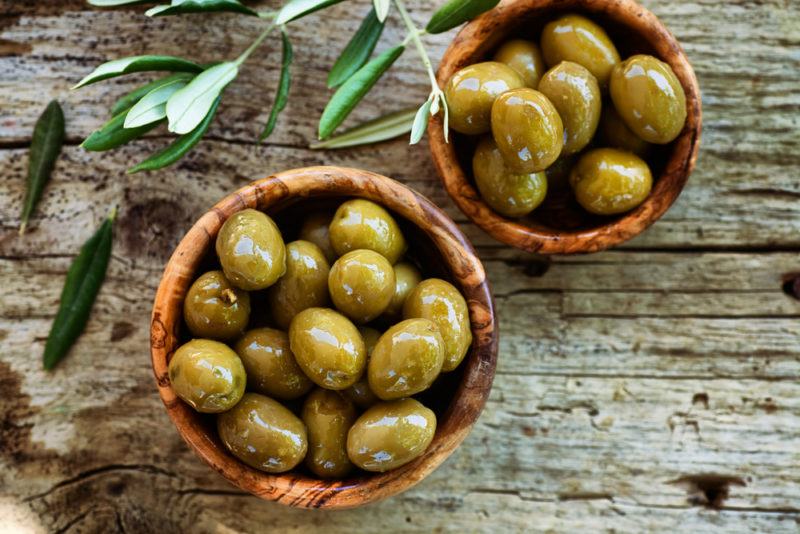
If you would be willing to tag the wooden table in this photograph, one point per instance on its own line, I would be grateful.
(654, 387)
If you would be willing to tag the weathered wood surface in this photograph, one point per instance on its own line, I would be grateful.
(633, 386)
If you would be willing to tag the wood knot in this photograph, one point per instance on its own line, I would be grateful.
(791, 285)
(708, 490)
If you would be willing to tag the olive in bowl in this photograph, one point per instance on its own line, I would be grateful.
(437, 249)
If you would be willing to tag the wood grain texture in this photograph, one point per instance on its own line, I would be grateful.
(671, 358)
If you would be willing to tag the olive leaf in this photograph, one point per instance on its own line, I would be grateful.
(153, 106)
(357, 51)
(128, 65)
(180, 146)
(421, 122)
(457, 12)
(354, 89)
(188, 106)
(295, 9)
(46, 143)
(382, 9)
(84, 278)
(285, 82)
(200, 6)
(113, 3)
(374, 131)
(127, 101)
(113, 134)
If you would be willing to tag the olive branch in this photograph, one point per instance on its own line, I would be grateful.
(187, 98)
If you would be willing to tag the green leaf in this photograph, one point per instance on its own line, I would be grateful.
(187, 107)
(180, 146)
(84, 278)
(200, 6)
(113, 3)
(294, 9)
(420, 122)
(354, 89)
(382, 8)
(113, 134)
(48, 138)
(282, 95)
(381, 129)
(457, 12)
(127, 101)
(357, 51)
(153, 106)
(128, 65)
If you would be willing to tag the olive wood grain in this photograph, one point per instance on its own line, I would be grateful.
(634, 29)
(463, 267)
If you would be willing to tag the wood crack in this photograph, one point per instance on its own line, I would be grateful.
(98, 471)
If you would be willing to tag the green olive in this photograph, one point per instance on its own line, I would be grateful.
(406, 278)
(525, 58)
(363, 224)
(527, 129)
(328, 417)
(315, 230)
(615, 133)
(471, 92)
(578, 39)
(251, 250)
(390, 434)
(305, 284)
(508, 193)
(360, 393)
(440, 302)
(214, 309)
(264, 434)
(608, 181)
(576, 96)
(649, 98)
(328, 348)
(207, 375)
(271, 367)
(361, 284)
(406, 360)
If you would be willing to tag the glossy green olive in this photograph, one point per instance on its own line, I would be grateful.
(271, 367)
(390, 434)
(649, 98)
(251, 250)
(207, 375)
(440, 302)
(215, 309)
(360, 393)
(527, 129)
(406, 278)
(508, 193)
(363, 224)
(328, 417)
(315, 230)
(264, 434)
(576, 38)
(328, 348)
(608, 181)
(576, 96)
(406, 360)
(305, 284)
(361, 284)
(525, 58)
(471, 92)
(613, 132)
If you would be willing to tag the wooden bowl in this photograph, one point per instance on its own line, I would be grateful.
(443, 251)
(559, 225)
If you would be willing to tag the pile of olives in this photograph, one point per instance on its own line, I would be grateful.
(540, 127)
(321, 383)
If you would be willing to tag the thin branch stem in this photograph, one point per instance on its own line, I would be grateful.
(246, 54)
(414, 34)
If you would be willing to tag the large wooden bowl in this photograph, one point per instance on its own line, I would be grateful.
(559, 226)
(437, 244)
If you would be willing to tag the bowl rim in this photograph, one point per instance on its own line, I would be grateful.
(467, 274)
(667, 187)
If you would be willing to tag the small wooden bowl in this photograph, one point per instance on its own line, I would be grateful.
(559, 226)
(443, 251)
